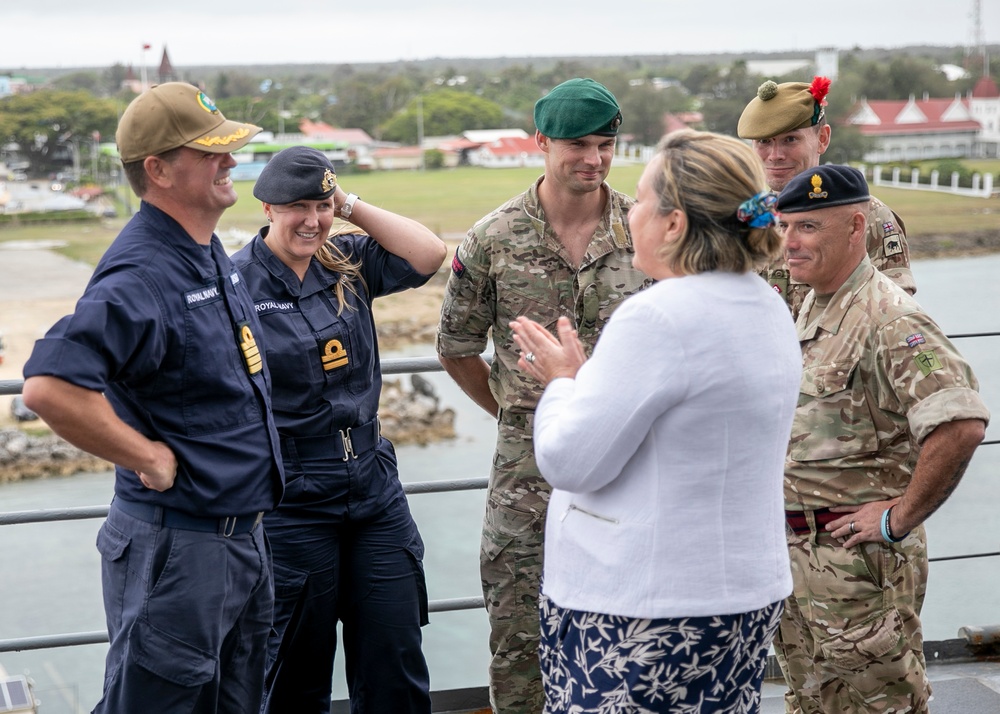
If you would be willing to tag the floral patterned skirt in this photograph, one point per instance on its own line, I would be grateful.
(607, 664)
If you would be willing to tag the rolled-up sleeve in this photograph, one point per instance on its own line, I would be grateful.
(469, 307)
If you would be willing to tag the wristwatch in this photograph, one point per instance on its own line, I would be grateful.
(348, 208)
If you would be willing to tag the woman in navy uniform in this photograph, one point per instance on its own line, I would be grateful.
(344, 543)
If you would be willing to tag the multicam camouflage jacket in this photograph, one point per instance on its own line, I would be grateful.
(511, 264)
(878, 376)
(887, 249)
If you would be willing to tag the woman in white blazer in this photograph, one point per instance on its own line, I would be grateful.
(665, 557)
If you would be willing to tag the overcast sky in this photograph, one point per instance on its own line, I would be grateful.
(99, 33)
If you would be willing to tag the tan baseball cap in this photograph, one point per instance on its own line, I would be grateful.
(169, 116)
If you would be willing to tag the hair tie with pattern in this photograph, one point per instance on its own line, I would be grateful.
(758, 211)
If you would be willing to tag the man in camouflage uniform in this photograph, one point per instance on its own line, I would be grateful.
(561, 248)
(788, 128)
(888, 417)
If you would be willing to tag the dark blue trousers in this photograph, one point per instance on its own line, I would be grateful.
(188, 615)
(368, 574)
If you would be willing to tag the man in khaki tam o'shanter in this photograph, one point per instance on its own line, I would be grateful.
(888, 418)
(789, 131)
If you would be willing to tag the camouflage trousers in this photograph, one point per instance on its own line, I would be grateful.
(511, 570)
(850, 639)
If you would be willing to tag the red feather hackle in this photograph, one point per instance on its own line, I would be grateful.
(819, 88)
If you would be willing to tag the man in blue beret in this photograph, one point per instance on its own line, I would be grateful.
(560, 248)
(888, 417)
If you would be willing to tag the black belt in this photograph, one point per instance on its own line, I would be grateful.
(346, 444)
(170, 518)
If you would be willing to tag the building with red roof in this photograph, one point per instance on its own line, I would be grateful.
(930, 128)
(508, 152)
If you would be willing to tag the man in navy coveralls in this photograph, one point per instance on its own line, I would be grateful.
(158, 371)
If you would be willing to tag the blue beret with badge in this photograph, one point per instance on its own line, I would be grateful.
(298, 173)
(823, 187)
(576, 108)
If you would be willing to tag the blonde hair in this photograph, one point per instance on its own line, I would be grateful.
(332, 258)
(708, 176)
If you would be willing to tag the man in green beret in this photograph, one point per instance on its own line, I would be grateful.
(787, 126)
(560, 248)
(889, 416)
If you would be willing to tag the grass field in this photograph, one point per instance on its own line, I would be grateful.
(450, 201)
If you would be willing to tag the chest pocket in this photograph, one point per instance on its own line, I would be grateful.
(832, 419)
(335, 356)
(543, 306)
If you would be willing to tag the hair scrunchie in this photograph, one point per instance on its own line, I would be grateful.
(758, 211)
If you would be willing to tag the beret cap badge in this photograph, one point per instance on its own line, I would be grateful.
(817, 187)
(329, 180)
(823, 187)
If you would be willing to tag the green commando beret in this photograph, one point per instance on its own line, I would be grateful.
(576, 108)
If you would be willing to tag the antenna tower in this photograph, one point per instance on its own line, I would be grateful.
(977, 46)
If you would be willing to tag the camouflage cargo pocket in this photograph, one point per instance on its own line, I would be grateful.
(862, 644)
(503, 525)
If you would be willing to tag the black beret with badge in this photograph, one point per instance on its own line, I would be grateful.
(779, 108)
(298, 173)
(576, 108)
(823, 187)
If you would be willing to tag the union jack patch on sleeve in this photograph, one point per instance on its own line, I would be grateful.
(915, 339)
(888, 227)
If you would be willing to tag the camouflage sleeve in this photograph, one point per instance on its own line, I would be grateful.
(469, 308)
(924, 377)
(887, 246)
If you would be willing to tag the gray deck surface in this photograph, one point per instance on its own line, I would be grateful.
(962, 688)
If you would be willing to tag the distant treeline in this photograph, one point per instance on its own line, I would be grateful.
(455, 95)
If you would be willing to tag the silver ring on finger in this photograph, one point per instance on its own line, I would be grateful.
(529, 357)
(852, 527)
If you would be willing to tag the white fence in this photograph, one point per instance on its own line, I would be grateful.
(982, 184)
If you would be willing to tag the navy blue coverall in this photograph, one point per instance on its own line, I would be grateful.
(167, 331)
(344, 543)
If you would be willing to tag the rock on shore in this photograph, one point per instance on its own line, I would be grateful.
(24, 456)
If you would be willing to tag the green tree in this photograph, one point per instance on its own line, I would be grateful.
(262, 111)
(847, 143)
(85, 80)
(367, 100)
(113, 78)
(433, 159)
(644, 108)
(728, 97)
(46, 123)
(445, 112)
(233, 84)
